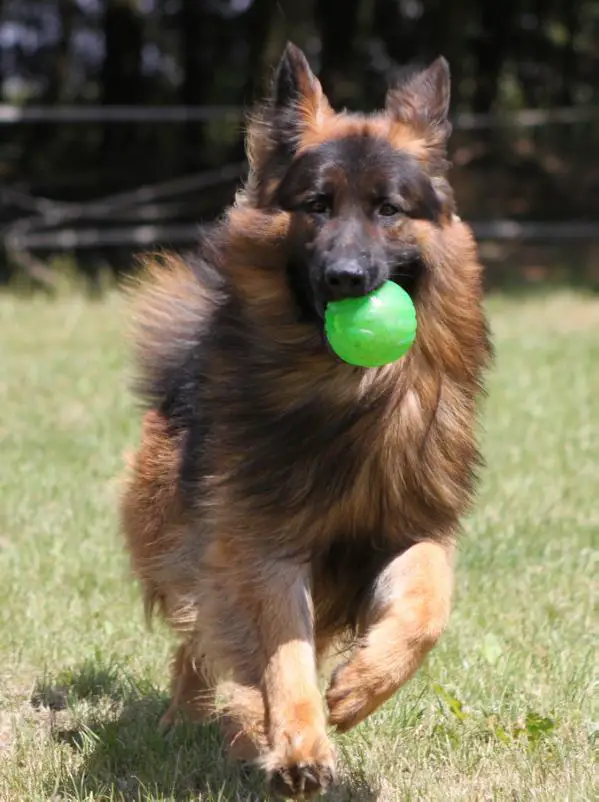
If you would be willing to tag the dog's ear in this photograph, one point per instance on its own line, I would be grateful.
(298, 103)
(293, 78)
(295, 108)
(421, 100)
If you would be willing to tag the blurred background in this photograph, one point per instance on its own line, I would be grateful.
(120, 131)
(121, 120)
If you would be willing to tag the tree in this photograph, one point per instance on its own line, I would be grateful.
(121, 77)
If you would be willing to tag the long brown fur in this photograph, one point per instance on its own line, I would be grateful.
(328, 498)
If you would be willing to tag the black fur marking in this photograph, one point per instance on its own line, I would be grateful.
(372, 170)
(302, 456)
(306, 454)
(350, 567)
(301, 290)
(408, 274)
(177, 387)
(287, 83)
(353, 176)
(185, 406)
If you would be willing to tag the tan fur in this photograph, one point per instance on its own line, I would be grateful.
(428, 412)
(150, 508)
(408, 614)
(253, 619)
(343, 125)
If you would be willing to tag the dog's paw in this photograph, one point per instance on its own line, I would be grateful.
(354, 693)
(303, 765)
(301, 780)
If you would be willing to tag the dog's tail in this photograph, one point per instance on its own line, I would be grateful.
(172, 299)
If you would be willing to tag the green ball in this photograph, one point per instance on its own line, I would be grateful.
(372, 330)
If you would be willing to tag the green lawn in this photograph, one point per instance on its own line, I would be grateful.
(502, 709)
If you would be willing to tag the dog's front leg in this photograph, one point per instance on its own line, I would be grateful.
(407, 614)
(301, 759)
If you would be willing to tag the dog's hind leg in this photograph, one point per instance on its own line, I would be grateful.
(193, 696)
(407, 615)
(191, 693)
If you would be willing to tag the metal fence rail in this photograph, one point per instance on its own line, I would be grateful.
(150, 215)
(15, 114)
(181, 233)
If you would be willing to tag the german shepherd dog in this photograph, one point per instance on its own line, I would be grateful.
(281, 501)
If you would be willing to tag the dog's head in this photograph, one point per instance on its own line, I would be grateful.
(350, 185)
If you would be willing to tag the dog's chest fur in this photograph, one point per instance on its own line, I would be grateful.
(337, 459)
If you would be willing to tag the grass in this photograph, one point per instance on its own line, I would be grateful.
(502, 709)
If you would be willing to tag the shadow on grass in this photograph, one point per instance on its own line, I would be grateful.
(121, 755)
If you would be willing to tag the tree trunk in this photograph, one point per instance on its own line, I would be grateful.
(199, 29)
(491, 50)
(570, 13)
(441, 30)
(338, 23)
(121, 79)
(258, 20)
(60, 69)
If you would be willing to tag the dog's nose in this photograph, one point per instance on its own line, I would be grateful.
(346, 279)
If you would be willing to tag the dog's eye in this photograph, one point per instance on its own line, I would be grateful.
(319, 205)
(387, 209)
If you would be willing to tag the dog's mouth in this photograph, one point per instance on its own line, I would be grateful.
(311, 303)
(409, 276)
